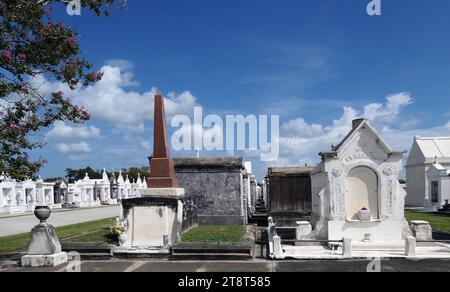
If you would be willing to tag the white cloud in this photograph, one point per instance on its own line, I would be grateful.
(126, 67)
(300, 128)
(81, 147)
(448, 124)
(410, 123)
(63, 131)
(109, 101)
(387, 113)
(122, 64)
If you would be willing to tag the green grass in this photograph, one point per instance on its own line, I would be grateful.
(438, 222)
(215, 234)
(94, 231)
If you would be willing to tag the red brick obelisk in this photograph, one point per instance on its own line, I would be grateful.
(162, 171)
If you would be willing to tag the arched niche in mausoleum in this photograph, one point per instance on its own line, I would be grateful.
(362, 192)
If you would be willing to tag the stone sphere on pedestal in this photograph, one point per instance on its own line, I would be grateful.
(44, 249)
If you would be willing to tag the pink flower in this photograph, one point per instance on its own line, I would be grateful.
(22, 56)
(45, 161)
(73, 41)
(47, 11)
(13, 127)
(6, 55)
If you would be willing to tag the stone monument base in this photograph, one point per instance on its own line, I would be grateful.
(422, 230)
(303, 231)
(176, 193)
(379, 230)
(38, 261)
(155, 220)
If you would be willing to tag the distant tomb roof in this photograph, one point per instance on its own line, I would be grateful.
(290, 170)
(210, 162)
(434, 147)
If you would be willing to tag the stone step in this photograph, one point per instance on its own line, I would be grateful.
(378, 245)
(211, 256)
(212, 252)
(152, 253)
(95, 256)
(9, 264)
(206, 248)
(89, 248)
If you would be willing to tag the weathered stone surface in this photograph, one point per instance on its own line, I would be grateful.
(303, 230)
(422, 230)
(149, 202)
(253, 193)
(277, 247)
(153, 222)
(214, 186)
(410, 246)
(44, 240)
(347, 247)
(176, 193)
(41, 261)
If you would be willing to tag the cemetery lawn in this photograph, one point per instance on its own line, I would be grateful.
(94, 231)
(439, 222)
(215, 234)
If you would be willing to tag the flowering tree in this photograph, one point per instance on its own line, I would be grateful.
(34, 46)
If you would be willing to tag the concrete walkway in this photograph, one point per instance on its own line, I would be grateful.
(22, 224)
(385, 265)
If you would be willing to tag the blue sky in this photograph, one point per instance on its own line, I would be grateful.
(303, 60)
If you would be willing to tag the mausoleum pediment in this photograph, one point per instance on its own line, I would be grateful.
(363, 144)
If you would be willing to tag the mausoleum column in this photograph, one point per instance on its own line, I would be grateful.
(1, 198)
(52, 196)
(24, 197)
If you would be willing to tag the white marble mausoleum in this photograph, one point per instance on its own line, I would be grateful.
(356, 191)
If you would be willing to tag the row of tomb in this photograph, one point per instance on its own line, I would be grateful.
(21, 197)
(359, 175)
